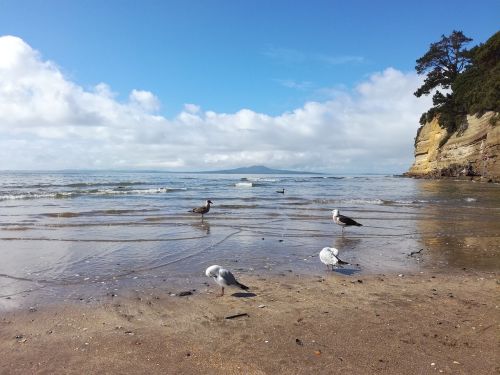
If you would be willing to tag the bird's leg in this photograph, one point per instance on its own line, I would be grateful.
(342, 230)
(222, 292)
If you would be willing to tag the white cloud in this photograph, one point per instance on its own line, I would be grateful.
(144, 100)
(50, 122)
(192, 108)
(340, 60)
(292, 84)
(288, 56)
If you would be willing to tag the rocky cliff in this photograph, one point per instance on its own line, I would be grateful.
(472, 151)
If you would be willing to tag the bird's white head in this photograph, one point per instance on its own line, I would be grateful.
(335, 212)
(212, 271)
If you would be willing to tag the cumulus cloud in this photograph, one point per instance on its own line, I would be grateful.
(144, 100)
(192, 108)
(49, 122)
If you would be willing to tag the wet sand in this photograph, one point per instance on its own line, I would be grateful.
(423, 323)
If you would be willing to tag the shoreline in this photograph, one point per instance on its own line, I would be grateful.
(330, 323)
(437, 177)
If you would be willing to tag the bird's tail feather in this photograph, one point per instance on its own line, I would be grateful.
(244, 287)
(340, 261)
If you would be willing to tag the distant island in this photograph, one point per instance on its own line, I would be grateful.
(257, 169)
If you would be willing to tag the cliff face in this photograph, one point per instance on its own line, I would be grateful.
(473, 151)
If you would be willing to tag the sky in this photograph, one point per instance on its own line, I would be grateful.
(322, 86)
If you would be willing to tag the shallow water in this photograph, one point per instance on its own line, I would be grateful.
(67, 234)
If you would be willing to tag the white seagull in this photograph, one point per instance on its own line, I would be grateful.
(329, 256)
(344, 221)
(224, 278)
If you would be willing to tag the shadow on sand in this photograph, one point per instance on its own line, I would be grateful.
(243, 295)
(346, 271)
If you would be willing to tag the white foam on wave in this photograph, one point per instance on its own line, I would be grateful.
(77, 193)
(262, 179)
(244, 184)
(468, 199)
(363, 201)
(8, 197)
(406, 202)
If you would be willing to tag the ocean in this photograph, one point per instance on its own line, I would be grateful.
(68, 234)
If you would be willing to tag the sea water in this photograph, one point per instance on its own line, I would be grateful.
(64, 232)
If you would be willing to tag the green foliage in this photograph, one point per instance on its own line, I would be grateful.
(444, 61)
(471, 79)
(478, 88)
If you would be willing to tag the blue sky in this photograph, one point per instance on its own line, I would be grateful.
(270, 57)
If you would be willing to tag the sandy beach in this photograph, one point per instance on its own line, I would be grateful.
(111, 280)
(422, 323)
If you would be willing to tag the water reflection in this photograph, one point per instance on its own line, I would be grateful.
(461, 226)
(203, 226)
(346, 243)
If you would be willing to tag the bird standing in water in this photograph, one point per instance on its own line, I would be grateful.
(203, 209)
(344, 221)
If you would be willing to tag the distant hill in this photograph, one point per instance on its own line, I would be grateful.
(257, 169)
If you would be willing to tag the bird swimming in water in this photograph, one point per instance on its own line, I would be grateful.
(224, 278)
(344, 221)
(329, 256)
(282, 191)
(203, 209)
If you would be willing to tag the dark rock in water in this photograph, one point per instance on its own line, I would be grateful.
(415, 252)
(186, 293)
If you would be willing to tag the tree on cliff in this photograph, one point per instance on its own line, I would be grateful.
(478, 88)
(444, 62)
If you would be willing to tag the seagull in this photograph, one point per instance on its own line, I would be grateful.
(203, 209)
(282, 191)
(224, 278)
(344, 221)
(329, 256)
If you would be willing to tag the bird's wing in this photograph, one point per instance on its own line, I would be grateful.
(347, 220)
(327, 257)
(340, 261)
(228, 277)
